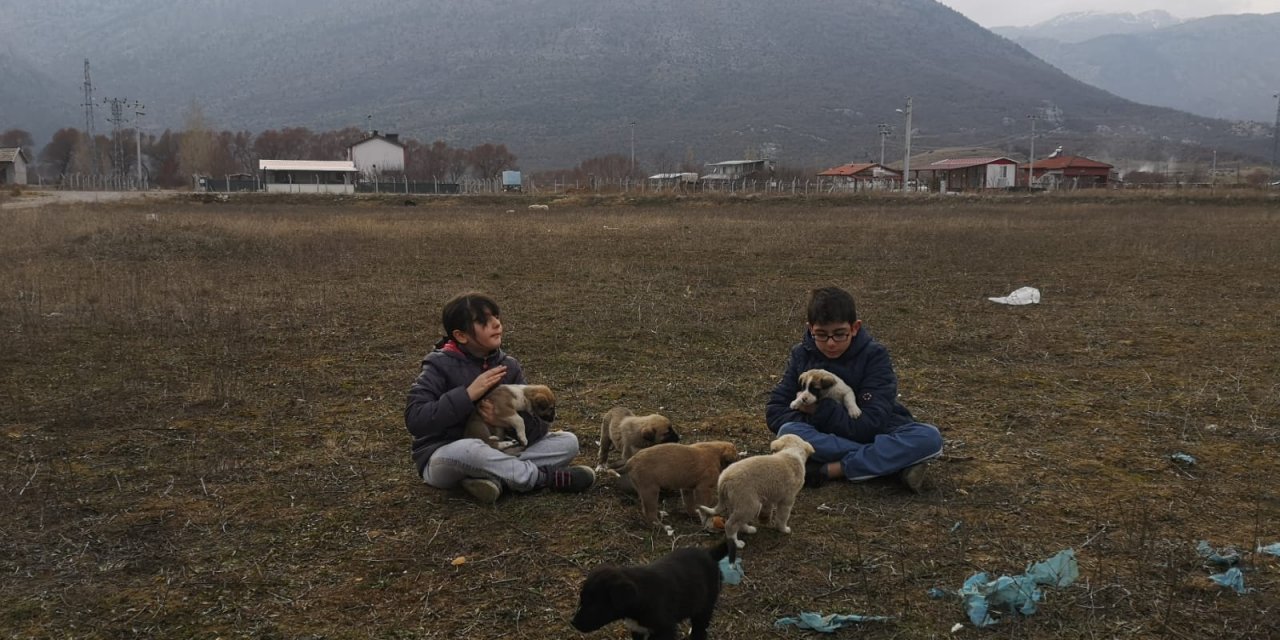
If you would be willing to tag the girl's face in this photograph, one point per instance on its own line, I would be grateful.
(485, 337)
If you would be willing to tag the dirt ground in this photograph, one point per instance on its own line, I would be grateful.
(201, 409)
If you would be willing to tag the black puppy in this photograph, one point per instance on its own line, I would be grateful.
(653, 599)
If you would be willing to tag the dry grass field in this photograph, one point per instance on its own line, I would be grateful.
(202, 435)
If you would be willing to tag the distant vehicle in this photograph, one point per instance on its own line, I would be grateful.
(511, 181)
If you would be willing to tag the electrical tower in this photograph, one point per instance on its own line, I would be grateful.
(88, 119)
(117, 119)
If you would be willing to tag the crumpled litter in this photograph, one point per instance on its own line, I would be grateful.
(1019, 593)
(1224, 557)
(937, 593)
(1273, 549)
(1184, 458)
(1231, 578)
(827, 624)
(1019, 297)
(731, 573)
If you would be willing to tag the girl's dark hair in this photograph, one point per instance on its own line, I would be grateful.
(831, 304)
(466, 309)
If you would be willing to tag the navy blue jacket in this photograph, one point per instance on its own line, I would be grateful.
(865, 367)
(438, 406)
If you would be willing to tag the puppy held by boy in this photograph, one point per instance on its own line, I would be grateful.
(816, 384)
(652, 600)
(761, 488)
(631, 433)
(508, 400)
(677, 467)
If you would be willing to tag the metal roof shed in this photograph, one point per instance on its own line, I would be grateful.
(307, 176)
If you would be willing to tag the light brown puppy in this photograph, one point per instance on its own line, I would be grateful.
(508, 400)
(761, 488)
(671, 467)
(631, 433)
(816, 384)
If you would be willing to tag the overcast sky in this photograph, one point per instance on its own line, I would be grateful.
(1001, 13)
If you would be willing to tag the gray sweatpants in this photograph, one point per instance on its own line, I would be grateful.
(472, 458)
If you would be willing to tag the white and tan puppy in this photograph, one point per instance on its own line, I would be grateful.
(761, 488)
(816, 384)
(631, 433)
(508, 400)
(678, 467)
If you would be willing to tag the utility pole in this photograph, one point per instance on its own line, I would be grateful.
(138, 112)
(88, 119)
(1031, 167)
(633, 148)
(1275, 139)
(885, 131)
(906, 160)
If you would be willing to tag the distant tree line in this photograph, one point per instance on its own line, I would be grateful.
(171, 158)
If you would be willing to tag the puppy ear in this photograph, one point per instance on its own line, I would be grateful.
(648, 433)
(777, 445)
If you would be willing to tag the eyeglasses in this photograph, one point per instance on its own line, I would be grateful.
(834, 337)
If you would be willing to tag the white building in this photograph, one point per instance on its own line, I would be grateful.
(377, 155)
(307, 176)
(13, 166)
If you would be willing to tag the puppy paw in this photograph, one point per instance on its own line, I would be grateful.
(740, 544)
(670, 532)
(746, 528)
(786, 529)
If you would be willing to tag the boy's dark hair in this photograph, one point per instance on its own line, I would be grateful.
(466, 309)
(831, 304)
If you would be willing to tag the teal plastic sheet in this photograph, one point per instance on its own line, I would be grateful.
(827, 624)
(1225, 557)
(1273, 549)
(1016, 594)
(1232, 579)
(731, 573)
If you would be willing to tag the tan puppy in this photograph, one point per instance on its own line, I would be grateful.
(681, 467)
(631, 433)
(816, 384)
(508, 400)
(761, 488)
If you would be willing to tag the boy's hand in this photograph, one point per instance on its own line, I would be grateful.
(485, 382)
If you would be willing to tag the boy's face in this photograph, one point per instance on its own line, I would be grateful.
(484, 338)
(834, 338)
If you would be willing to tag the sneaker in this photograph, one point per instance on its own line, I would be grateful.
(914, 477)
(815, 474)
(575, 479)
(484, 490)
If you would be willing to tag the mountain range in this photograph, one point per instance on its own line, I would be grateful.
(559, 82)
(1080, 26)
(1220, 66)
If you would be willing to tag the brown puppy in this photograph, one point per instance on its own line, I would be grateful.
(631, 433)
(761, 488)
(816, 384)
(508, 400)
(680, 467)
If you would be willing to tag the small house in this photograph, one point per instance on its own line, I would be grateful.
(737, 170)
(968, 174)
(863, 176)
(1067, 172)
(377, 155)
(13, 165)
(307, 176)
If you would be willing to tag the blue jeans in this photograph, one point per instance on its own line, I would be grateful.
(472, 458)
(886, 454)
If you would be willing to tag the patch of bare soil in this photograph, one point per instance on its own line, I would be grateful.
(201, 409)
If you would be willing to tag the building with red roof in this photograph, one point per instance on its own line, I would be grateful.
(1067, 172)
(863, 176)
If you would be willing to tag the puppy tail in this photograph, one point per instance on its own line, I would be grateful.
(722, 549)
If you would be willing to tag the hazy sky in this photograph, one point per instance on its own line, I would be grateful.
(1000, 13)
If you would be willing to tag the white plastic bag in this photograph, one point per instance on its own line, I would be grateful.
(1023, 296)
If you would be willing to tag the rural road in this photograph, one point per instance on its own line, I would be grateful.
(33, 199)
